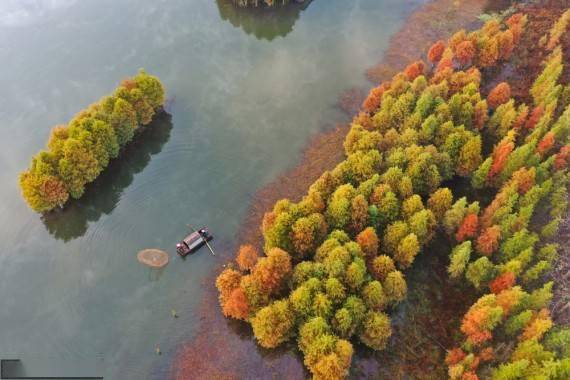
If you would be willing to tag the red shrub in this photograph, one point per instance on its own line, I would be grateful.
(436, 51)
(525, 179)
(470, 375)
(506, 44)
(236, 305)
(374, 98)
(500, 156)
(444, 64)
(414, 70)
(535, 116)
(468, 228)
(515, 26)
(499, 95)
(562, 158)
(488, 241)
(247, 257)
(480, 116)
(486, 354)
(465, 51)
(502, 282)
(454, 356)
(473, 325)
(546, 143)
(520, 120)
(368, 241)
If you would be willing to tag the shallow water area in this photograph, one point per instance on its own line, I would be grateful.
(244, 99)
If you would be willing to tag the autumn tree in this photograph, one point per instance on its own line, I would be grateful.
(413, 70)
(247, 257)
(372, 102)
(359, 213)
(272, 271)
(407, 250)
(503, 281)
(481, 319)
(376, 330)
(369, 242)
(465, 51)
(226, 282)
(459, 258)
(393, 234)
(273, 324)
(436, 51)
(480, 272)
(499, 95)
(468, 228)
(395, 286)
(382, 266)
(236, 305)
(440, 201)
(307, 233)
(43, 192)
(488, 241)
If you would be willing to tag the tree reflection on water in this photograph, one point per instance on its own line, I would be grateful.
(263, 22)
(103, 195)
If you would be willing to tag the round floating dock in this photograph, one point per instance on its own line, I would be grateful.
(154, 258)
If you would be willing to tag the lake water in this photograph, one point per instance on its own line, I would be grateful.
(246, 92)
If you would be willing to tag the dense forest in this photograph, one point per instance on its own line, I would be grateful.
(78, 152)
(335, 263)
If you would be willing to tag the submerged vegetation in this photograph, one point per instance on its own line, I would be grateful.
(78, 152)
(335, 262)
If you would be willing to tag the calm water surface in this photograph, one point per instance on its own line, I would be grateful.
(245, 94)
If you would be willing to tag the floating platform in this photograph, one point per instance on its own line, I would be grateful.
(154, 258)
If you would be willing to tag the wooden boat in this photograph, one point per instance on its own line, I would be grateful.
(194, 241)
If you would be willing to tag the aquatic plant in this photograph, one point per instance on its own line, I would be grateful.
(78, 152)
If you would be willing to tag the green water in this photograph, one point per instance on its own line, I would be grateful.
(246, 92)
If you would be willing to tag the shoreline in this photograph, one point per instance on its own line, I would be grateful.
(227, 339)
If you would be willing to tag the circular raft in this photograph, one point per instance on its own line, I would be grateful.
(154, 258)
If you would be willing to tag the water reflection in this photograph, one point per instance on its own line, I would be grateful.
(102, 196)
(24, 12)
(263, 22)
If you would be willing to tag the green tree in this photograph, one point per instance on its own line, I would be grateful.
(355, 274)
(123, 119)
(339, 207)
(273, 324)
(394, 233)
(480, 272)
(407, 250)
(395, 286)
(373, 296)
(376, 330)
(440, 201)
(307, 233)
(412, 205)
(151, 88)
(381, 266)
(459, 259)
(77, 167)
